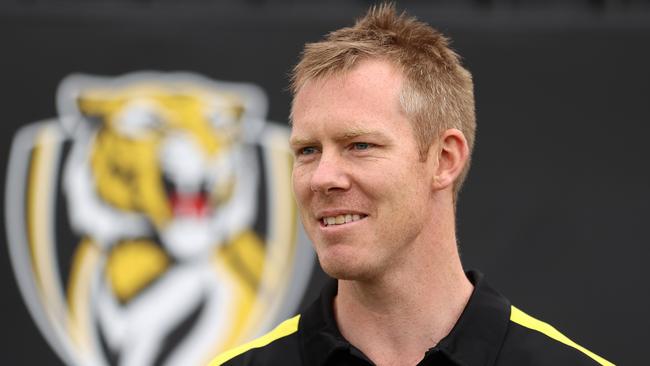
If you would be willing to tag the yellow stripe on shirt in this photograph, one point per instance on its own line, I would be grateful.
(529, 322)
(285, 328)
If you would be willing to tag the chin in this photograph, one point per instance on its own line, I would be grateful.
(350, 269)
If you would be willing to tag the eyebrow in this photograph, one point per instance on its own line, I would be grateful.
(346, 135)
(299, 141)
(356, 132)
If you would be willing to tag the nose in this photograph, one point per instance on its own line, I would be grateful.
(330, 175)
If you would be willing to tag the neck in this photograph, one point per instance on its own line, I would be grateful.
(394, 318)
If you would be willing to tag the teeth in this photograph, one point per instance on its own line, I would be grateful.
(340, 219)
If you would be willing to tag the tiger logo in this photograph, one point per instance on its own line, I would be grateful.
(182, 231)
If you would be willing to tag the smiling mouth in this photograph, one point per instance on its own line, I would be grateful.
(341, 219)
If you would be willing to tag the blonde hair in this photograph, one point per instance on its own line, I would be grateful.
(437, 93)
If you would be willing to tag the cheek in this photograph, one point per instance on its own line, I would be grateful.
(300, 185)
(404, 191)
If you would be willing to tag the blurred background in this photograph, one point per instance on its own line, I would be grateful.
(555, 210)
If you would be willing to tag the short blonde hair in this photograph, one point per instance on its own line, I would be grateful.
(437, 94)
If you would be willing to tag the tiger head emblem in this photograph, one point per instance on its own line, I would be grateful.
(186, 237)
(167, 161)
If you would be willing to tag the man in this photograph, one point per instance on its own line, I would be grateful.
(383, 127)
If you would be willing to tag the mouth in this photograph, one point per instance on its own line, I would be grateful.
(341, 219)
(194, 204)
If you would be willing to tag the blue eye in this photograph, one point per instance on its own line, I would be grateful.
(307, 150)
(361, 145)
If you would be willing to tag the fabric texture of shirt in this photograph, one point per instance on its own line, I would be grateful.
(489, 332)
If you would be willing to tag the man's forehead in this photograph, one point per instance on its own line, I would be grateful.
(361, 102)
(375, 73)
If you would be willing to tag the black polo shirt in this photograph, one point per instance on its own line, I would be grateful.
(490, 332)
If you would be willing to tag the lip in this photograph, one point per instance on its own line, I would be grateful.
(337, 212)
(339, 227)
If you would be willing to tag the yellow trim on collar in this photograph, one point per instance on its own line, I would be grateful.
(529, 322)
(285, 328)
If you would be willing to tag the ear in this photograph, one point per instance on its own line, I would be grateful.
(92, 105)
(453, 153)
(96, 107)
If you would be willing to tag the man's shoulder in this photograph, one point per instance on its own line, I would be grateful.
(279, 346)
(530, 341)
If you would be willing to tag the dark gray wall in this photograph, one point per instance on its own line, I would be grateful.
(555, 211)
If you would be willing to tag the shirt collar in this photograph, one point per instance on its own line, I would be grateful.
(319, 335)
(475, 340)
(477, 337)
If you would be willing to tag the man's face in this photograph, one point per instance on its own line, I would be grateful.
(363, 192)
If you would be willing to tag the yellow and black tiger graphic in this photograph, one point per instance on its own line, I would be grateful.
(179, 195)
